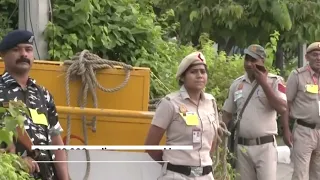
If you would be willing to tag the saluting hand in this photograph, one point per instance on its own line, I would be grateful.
(261, 74)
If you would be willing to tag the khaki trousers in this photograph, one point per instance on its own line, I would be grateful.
(257, 162)
(306, 153)
(170, 175)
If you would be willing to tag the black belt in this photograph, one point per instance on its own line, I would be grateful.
(186, 170)
(255, 141)
(305, 124)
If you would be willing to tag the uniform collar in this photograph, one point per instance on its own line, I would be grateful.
(185, 95)
(9, 80)
(311, 70)
(246, 78)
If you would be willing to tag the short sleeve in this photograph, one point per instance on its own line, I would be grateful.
(164, 114)
(280, 88)
(216, 112)
(54, 125)
(229, 105)
(292, 86)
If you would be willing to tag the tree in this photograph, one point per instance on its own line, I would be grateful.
(243, 22)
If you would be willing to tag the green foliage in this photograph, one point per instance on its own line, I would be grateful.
(103, 26)
(243, 22)
(8, 16)
(11, 165)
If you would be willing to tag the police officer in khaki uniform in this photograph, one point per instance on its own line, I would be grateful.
(256, 149)
(189, 117)
(303, 102)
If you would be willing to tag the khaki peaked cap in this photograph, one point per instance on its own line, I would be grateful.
(194, 58)
(313, 46)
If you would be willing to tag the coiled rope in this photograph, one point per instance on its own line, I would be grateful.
(84, 65)
(223, 135)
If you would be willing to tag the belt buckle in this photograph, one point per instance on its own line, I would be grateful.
(196, 171)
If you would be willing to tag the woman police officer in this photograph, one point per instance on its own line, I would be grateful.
(189, 117)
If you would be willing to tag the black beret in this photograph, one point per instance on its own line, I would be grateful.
(13, 38)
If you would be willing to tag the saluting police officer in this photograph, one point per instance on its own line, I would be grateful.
(189, 117)
(16, 50)
(256, 150)
(303, 102)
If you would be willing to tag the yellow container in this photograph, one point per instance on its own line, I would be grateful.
(110, 130)
(134, 96)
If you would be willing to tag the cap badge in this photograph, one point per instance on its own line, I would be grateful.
(201, 57)
(31, 39)
(254, 48)
(240, 87)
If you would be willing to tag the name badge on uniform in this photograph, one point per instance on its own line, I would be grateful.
(237, 95)
(196, 136)
(190, 118)
(38, 118)
(312, 88)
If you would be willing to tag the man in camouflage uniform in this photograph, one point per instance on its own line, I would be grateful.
(43, 127)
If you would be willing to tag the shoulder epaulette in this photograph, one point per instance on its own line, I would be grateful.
(270, 75)
(300, 70)
(239, 78)
(172, 95)
(209, 96)
(157, 102)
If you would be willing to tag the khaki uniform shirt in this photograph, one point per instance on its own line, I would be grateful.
(167, 116)
(259, 118)
(304, 104)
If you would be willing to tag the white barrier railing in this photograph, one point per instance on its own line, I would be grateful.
(139, 166)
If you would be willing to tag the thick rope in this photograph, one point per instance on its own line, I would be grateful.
(223, 143)
(223, 135)
(84, 65)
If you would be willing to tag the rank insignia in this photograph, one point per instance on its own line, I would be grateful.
(240, 87)
(183, 109)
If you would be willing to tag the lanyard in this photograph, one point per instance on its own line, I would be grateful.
(314, 79)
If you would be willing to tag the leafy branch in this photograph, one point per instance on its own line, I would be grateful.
(12, 116)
